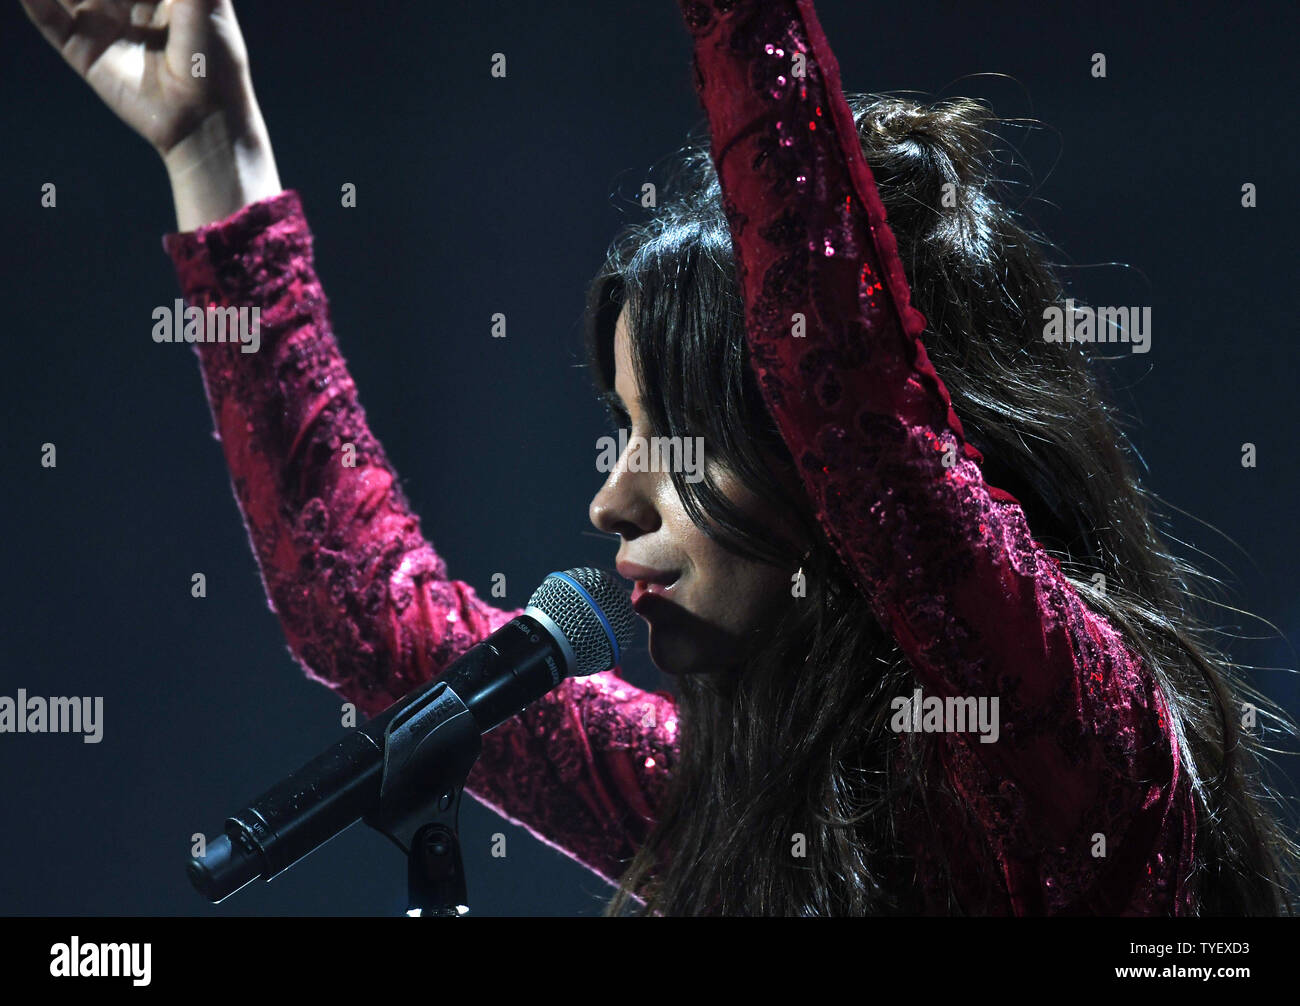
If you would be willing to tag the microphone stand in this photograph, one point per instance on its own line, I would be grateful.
(429, 749)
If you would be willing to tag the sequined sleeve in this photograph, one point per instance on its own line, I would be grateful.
(365, 602)
(1085, 752)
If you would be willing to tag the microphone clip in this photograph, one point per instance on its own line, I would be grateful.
(429, 749)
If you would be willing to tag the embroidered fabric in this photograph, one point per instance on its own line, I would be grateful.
(977, 606)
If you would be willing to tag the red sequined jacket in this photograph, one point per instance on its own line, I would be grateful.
(1085, 748)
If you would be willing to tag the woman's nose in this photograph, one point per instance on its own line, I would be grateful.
(622, 506)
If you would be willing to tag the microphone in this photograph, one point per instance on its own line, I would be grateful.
(576, 623)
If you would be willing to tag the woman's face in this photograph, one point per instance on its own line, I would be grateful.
(703, 604)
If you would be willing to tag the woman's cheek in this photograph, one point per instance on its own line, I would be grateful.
(741, 597)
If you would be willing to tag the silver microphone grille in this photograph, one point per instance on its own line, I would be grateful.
(594, 613)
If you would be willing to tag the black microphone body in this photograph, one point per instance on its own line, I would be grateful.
(516, 665)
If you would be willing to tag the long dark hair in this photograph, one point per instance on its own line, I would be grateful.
(767, 754)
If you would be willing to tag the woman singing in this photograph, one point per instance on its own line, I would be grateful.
(913, 505)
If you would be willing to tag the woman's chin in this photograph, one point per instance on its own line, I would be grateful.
(674, 651)
(681, 651)
(665, 655)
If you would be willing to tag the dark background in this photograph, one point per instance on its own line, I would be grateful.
(479, 195)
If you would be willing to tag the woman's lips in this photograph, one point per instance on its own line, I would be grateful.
(648, 582)
(642, 589)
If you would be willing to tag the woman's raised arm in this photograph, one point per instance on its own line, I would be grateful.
(364, 601)
(1086, 745)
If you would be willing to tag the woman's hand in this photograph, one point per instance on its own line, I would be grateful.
(176, 72)
(145, 59)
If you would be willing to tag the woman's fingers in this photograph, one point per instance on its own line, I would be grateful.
(139, 58)
(54, 22)
(101, 36)
(86, 31)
